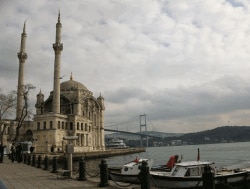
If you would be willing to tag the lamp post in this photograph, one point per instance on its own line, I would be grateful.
(70, 151)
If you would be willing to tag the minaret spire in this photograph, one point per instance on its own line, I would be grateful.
(59, 17)
(24, 26)
(58, 47)
(22, 56)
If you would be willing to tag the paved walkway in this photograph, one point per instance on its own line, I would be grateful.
(21, 176)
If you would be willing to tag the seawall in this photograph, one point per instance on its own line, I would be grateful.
(90, 155)
(107, 153)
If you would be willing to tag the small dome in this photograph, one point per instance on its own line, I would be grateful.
(71, 85)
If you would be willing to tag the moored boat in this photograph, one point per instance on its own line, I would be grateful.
(116, 143)
(189, 175)
(129, 173)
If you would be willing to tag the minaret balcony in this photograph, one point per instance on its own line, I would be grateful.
(22, 56)
(58, 47)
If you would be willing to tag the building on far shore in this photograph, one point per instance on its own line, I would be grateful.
(70, 110)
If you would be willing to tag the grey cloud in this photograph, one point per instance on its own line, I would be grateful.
(184, 64)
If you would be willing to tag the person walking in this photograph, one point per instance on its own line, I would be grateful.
(19, 150)
(1, 152)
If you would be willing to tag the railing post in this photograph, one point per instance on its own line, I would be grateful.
(103, 173)
(1, 153)
(54, 165)
(65, 166)
(24, 158)
(39, 159)
(29, 160)
(208, 178)
(82, 175)
(46, 163)
(33, 160)
(144, 175)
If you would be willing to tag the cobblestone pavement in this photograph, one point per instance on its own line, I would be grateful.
(21, 176)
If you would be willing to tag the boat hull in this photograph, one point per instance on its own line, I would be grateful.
(118, 177)
(168, 182)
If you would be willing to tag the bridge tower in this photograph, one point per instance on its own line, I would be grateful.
(143, 123)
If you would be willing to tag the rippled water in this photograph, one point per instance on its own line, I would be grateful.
(225, 154)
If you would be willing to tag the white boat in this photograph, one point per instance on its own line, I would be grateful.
(189, 175)
(129, 173)
(116, 143)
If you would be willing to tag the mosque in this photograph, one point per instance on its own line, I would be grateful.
(70, 110)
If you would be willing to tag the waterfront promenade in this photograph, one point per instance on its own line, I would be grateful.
(21, 176)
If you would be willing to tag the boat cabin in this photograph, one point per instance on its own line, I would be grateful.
(132, 168)
(190, 169)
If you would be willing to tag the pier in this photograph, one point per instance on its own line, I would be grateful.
(22, 176)
(33, 175)
(37, 175)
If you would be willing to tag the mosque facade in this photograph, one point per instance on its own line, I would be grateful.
(70, 110)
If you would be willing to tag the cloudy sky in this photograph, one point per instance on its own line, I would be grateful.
(183, 63)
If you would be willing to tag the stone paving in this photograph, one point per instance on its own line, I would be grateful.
(22, 176)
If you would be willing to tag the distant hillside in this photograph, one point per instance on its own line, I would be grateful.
(222, 134)
(217, 135)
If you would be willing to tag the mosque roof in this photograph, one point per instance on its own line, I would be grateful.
(71, 85)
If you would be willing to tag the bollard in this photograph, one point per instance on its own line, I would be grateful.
(144, 175)
(103, 174)
(82, 175)
(20, 158)
(208, 178)
(12, 157)
(29, 159)
(24, 158)
(65, 166)
(46, 163)
(1, 154)
(39, 161)
(54, 165)
(33, 160)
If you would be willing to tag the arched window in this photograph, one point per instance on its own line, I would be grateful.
(58, 125)
(38, 126)
(50, 124)
(71, 125)
(44, 125)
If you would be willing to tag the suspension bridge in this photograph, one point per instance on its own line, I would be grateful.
(143, 125)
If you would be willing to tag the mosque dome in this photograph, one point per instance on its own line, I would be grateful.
(72, 85)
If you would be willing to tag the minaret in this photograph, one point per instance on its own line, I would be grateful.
(22, 56)
(58, 47)
(101, 139)
(39, 103)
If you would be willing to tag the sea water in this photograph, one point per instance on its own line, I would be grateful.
(222, 154)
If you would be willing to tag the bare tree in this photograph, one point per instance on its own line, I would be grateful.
(7, 105)
(25, 112)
